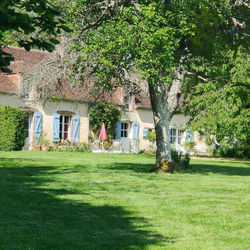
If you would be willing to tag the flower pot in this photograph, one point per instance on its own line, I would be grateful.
(37, 148)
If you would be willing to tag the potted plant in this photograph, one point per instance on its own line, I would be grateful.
(37, 146)
(45, 143)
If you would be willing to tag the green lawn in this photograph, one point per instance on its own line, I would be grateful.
(95, 201)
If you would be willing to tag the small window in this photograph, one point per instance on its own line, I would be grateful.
(176, 136)
(124, 129)
(64, 127)
(172, 135)
(180, 135)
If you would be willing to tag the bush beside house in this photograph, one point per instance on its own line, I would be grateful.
(13, 128)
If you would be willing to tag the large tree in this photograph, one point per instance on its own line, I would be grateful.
(160, 41)
(157, 40)
(28, 23)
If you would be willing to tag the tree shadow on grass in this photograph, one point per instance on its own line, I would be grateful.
(32, 217)
(136, 167)
(219, 169)
(195, 168)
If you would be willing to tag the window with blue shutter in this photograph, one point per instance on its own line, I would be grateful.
(136, 128)
(118, 130)
(76, 127)
(55, 132)
(189, 136)
(38, 126)
(145, 133)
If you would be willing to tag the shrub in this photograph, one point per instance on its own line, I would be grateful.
(142, 151)
(182, 162)
(13, 128)
(189, 144)
(81, 147)
(232, 151)
(67, 147)
(208, 142)
(108, 143)
(151, 136)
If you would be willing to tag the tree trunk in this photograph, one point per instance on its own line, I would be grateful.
(161, 120)
(174, 94)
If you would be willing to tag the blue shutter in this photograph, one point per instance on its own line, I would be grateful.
(118, 130)
(192, 136)
(38, 126)
(145, 133)
(136, 127)
(55, 132)
(76, 126)
(189, 135)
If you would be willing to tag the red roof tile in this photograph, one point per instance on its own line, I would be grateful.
(24, 60)
(9, 83)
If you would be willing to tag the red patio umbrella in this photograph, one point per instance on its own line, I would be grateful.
(103, 135)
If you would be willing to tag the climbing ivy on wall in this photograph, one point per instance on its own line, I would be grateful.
(106, 113)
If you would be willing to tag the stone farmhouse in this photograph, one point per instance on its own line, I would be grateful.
(66, 117)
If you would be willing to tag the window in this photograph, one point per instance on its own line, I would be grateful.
(172, 135)
(124, 129)
(64, 127)
(180, 135)
(176, 136)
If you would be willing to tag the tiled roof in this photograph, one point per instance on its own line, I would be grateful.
(142, 102)
(23, 63)
(79, 92)
(9, 83)
(26, 60)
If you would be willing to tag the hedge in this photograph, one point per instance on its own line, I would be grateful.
(13, 128)
(233, 151)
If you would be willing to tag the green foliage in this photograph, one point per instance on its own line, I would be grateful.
(30, 23)
(67, 147)
(108, 143)
(141, 151)
(106, 113)
(150, 37)
(234, 151)
(182, 162)
(81, 147)
(151, 136)
(13, 128)
(189, 144)
(220, 106)
(43, 140)
(208, 142)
